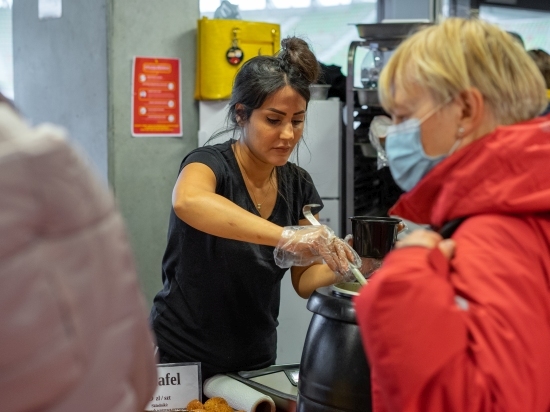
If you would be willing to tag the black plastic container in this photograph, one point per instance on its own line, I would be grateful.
(334, 374)
(374, 237)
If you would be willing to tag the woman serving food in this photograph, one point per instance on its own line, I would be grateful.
(237, 224)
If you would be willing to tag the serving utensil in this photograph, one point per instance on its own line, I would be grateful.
(309, 216)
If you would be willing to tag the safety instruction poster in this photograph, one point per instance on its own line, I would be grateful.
(156, 97)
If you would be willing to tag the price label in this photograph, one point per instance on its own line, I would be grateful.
(177, 385)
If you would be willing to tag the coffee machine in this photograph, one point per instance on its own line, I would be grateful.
(366, 189)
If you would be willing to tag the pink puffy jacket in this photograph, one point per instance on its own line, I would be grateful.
(73, 328)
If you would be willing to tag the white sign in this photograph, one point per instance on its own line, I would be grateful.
(178, 384)
(49, 9)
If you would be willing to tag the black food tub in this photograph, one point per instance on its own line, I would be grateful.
(334, 373)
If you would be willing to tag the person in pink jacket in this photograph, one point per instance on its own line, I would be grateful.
(463, 324)
(73, 327)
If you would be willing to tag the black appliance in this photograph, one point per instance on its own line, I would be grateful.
(334, 374)
(367, 190)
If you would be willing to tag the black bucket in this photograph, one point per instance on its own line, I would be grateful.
(373, 236)
(334, 374)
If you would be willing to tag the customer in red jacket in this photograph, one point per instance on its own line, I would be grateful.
(464, 324)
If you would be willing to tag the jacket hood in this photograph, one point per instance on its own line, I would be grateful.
(506, 171)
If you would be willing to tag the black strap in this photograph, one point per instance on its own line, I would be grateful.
(449, 227)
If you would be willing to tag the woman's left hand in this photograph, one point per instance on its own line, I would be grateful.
(304, 245)
(339, 255)
(428, 239)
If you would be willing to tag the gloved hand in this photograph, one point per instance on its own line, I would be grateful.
(367, 265)
(304, 245)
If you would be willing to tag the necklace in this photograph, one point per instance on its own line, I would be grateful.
(257, 204)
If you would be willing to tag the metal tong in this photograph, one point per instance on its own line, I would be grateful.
(309, 216)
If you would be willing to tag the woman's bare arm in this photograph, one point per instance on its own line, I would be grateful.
(195, 202)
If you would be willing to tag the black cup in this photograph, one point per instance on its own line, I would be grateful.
(374, 237)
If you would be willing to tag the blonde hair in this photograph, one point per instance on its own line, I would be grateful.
(456, 54)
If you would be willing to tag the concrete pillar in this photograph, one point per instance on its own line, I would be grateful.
(76, 71)
(6, 51)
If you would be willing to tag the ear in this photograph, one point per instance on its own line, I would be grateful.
(240, 114)
(473, 110)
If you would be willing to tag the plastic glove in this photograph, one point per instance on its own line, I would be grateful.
(367, 266)
(304, 245)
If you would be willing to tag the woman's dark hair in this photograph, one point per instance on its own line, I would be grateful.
(542, 60)
(294, 65)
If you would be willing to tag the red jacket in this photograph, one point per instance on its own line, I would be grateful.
(472, 333)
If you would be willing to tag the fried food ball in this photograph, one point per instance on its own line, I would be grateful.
(217, 404)
(220, 408)
(217, 400)
(194, 405)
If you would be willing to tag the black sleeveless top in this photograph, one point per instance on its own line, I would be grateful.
(220, 300)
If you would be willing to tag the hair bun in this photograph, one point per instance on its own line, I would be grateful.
(297, 53)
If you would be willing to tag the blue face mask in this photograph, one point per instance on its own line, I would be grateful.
(406, 157)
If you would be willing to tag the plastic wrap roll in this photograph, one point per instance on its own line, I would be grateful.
(237, 394)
